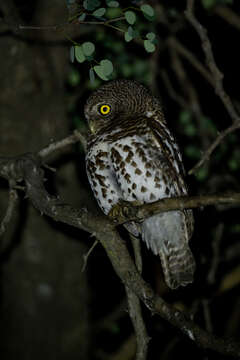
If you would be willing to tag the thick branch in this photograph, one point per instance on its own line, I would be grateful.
(27, 167)
(135, 312)
(134, 307)
(137, 213)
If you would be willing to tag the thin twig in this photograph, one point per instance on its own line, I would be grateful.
(216, 254)
(218, 81)
(86, 256)
(207, 315)
(228, 15)
(210, 60)
(193, 60)
(212, 147)
(57, 145)
(171, 91)
(67, 24)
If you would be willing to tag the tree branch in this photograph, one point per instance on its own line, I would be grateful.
(218, 83)
(193, 60)
(212, 147)
(28, 168)
(140, 212)
(134, 307)
(210, 60)
(60, 27)
(228, 15)
(60, 144)
(135, 312)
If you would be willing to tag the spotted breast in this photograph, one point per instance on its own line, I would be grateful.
(133, 156)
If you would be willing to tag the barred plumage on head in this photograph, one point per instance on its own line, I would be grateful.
(132, 156)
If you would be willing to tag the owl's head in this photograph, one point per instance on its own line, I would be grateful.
(118, 99)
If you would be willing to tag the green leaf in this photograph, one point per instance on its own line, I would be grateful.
(107, 66)
(149, 46)
(112, 3)
(91, 4)
(88, 48)
(130, 31)
(235, 228)
(127, 70)
(70, 2)
(208, 4)
(130, 16)
(127, 36)
(99, 71)
(79, 55)
(190, 130)
(185, 117)
(233, 164)
(104, 69)
(82, 17)
(72, 54)
(147, 9)
(140, 67)
(192, 152)
(113, 12)
(99, 12)
(91, 75)
(135, 33)
(151, 36)
(208, 124)
(202, 174)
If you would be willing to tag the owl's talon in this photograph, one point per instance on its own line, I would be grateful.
(123, 209)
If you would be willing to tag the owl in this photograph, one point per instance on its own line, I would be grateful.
(132, 156)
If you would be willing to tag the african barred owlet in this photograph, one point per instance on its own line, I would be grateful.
(132, 156)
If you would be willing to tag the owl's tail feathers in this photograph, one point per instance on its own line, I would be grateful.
(178, 266)
(167, 237)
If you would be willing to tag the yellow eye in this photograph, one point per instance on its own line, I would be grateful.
(104, 109)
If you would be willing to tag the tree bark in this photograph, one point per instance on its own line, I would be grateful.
(44, 295)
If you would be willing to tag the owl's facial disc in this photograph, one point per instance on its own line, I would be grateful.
(98, 115)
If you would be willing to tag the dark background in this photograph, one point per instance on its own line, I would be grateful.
(48, 307)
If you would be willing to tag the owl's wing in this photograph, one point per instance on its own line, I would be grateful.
(166, 143)
(167, 234)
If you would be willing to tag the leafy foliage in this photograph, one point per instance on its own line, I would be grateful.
(209, 4)
(122, 20)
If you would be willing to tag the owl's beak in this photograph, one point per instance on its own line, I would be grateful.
(92, 127)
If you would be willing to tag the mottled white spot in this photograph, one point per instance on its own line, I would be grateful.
(190, 334)
(149, 114)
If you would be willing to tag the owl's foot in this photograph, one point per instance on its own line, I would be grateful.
(124, 210)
